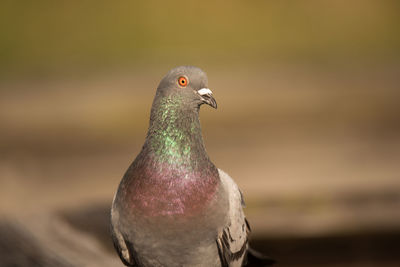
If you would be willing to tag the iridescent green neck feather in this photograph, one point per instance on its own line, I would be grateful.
(174, 135)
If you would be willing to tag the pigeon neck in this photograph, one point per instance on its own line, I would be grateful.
(174, 135)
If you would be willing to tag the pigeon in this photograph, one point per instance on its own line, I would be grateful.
(173, 207)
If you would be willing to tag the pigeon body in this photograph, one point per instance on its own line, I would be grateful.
(173, 207)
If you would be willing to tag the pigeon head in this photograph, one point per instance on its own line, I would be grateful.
(186, 84)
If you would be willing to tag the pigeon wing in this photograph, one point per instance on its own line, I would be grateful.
(232, 241)
(122, 245)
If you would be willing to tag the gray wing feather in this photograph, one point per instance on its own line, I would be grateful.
(122, 245)
(232, 241)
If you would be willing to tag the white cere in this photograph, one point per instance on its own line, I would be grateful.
(204, 91)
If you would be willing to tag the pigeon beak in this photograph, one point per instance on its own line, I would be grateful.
(207, 97)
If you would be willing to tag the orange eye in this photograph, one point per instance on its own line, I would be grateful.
(182, 81)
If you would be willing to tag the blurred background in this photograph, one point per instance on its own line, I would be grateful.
(308, 122)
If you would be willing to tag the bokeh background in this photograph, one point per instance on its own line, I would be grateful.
(308, 122)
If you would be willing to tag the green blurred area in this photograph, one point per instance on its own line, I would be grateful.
(71, 36)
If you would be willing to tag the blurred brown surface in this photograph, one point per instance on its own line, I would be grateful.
(314, 145)
(80, 237)
(315, 152)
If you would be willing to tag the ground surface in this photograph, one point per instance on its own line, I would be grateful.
(315, 152)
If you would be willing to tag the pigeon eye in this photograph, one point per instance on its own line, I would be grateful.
(182, 81)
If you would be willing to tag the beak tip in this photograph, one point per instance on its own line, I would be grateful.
(210, 100)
